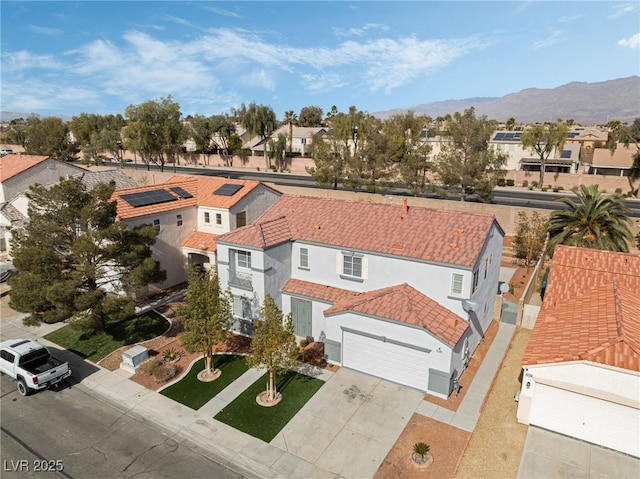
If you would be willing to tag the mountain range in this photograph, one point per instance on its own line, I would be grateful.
(584, 103)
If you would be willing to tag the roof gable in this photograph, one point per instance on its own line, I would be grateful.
(405, 304)
(449, 237)
(13, 165)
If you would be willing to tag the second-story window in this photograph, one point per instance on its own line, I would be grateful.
(179, 220)
(218, 218)
(304, 258)
(207, 218)
(352, 266)
(457, 282)
(156, 222)
(244, 259)
(475, 281)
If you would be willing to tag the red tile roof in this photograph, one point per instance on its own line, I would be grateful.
(591, 310)
(322, 292)
(201, 241)
(406, 304)
(264, 234)
(201, 187)
(12, 165)
(449, 237)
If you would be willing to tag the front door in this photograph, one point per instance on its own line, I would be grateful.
(301, 315)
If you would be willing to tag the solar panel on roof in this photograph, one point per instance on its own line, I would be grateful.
(145, 198)
(499, 136)
(565, 154)
(181, 191)
(228, 189)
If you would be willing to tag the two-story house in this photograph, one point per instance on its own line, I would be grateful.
(403, 293)
(191, 211)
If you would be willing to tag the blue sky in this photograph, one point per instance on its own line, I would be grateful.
(64, 58)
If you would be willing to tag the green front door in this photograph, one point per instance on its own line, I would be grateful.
(301, 314)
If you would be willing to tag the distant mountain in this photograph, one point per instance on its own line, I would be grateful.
(585, 103)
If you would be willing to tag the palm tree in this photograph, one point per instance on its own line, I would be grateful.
(596, 221)
(292, 119)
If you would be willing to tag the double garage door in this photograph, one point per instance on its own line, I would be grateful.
(385, 359)
(588, 418)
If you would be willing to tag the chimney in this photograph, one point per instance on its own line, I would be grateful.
(405, 207)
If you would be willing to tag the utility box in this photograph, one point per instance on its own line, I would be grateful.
(133, 358)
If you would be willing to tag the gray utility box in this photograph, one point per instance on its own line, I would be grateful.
(134, 357)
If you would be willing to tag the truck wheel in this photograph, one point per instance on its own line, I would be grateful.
(22, 388)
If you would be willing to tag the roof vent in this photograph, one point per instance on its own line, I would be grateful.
(453, 245)
(452, 322)
(460, 231)
(405, 206)
(316, 227)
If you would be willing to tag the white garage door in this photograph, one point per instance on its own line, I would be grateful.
(590, 419)
(383, 359)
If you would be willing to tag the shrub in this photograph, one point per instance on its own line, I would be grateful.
(304, 343)
(148, 367)
(421, 448)
(164, 372)
(169, 354)
(534, 184)
(619, 191)
(309, 339)
(525, 183)
(556, 189)
(544, 188)
(560, 188)
(510, 182)
(501, 182)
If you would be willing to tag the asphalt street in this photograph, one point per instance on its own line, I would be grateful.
(72, 432)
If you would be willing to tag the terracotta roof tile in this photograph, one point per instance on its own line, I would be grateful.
(448, 237)
(201, 241)
(591, 310)
(263, 234)
(201, 187)
(12, 165)
(321, 292)
(406, 304)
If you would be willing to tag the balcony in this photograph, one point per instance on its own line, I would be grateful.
(240, 280)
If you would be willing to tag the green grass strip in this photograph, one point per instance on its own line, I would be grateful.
(95, 347)
(194, 393)
(265, 423)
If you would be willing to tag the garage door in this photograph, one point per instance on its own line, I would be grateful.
(384, 359)
(584, 417)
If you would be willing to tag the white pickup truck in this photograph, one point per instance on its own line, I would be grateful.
(31, 364)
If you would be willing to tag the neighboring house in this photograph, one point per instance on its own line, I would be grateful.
(190, 212)
(302, 139)
(508, 143)
(401, 293)
(565, 161)
(19, 172)
(581, 367)
(617, 163)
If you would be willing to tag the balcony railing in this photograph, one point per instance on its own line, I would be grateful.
(240, 280)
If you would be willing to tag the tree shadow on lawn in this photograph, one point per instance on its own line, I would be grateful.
(264, 423)
(194, 393)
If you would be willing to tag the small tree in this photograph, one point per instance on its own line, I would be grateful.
(531, 234)
(273, 344)
(206, 316)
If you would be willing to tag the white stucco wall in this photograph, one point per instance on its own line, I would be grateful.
(167, 248)
(254, 204)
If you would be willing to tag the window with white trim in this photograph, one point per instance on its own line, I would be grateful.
(242, 307)
(179, 220)
(244, 259)
(207, 217)
(352, 265)
(304, 257)
(156, 222)
(457, 282)
(475, 281)
(218, 218)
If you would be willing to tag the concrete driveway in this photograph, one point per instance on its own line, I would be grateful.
(350, 424)
(548, 454)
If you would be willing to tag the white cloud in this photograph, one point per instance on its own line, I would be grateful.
(554, 37)
(622, 9)
(572, 18)
(631, 42)
(318, 83)
(358, 32)
(53, 32)
(23, 60)
(221, 11)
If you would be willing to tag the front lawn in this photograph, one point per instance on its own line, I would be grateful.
(194, 393)
(265, 423)
(95, 347)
